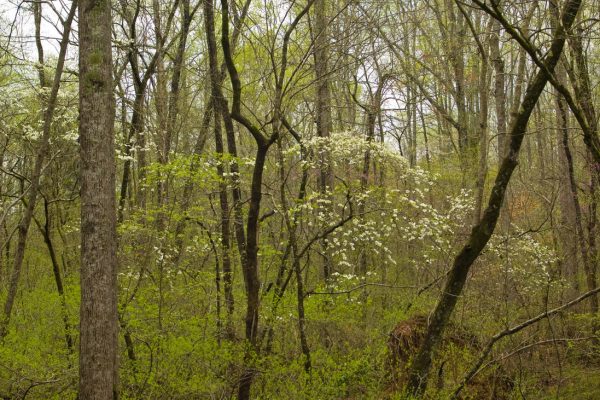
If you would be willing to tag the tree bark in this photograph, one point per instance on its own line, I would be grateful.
(323, 114)
(37, 17)
(215, 80)
(323, 103)
(372, 110)
(568, 210)
(98, 363)
(457, 61)
(484, 80)
(499, 89)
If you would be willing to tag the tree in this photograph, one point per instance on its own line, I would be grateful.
(483, 230)
(295, 179)
(263, 141)
(36, 176)
(98, 358)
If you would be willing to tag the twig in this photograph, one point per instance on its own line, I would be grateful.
(362, 285)
(488, 348)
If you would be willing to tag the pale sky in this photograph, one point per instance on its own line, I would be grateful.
(18, 23)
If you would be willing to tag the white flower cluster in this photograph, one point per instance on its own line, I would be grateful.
(362, 235)
(345, 149)
(421, 223)
(389, 217)
(527, 262)
(11, 98)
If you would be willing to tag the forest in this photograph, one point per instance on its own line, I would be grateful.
(299, 199)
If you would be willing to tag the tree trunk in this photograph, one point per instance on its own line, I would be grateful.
(323, 114)
(250, 268)
(37, 17)
(372, 110)
(457, 61)
(215, 79)
(499, 88)
(418, 373)
(582, 84)
(263, 143)
(563, 126)
(98, 363)
(484, 80)
(571, 250)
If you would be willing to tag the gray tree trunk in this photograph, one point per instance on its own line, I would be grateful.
(98, 364)
(323, 112)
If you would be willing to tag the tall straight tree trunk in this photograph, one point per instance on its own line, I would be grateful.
(250, 267)
(163, 135)
(217, 100)
(410, 135)
(137, 117)
(37, 17)
(300, 308)
(571, 251)
(484, 80)
(418, 373)
(98, 363)
(291, 223)
(457, 61)
(236, 192)
(592, 229)
(36, 175)
(499, 88)
(583, 89)
(137, 125)
(588, 267)
(364, 181)
(178, 68)
(323, 106)
(323, 113)
(372, 111)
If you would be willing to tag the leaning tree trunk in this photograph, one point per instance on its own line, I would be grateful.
(419, 369)
(98, 365)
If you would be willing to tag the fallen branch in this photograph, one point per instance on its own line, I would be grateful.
(488, 348)
(531, 345)
(362, 285)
